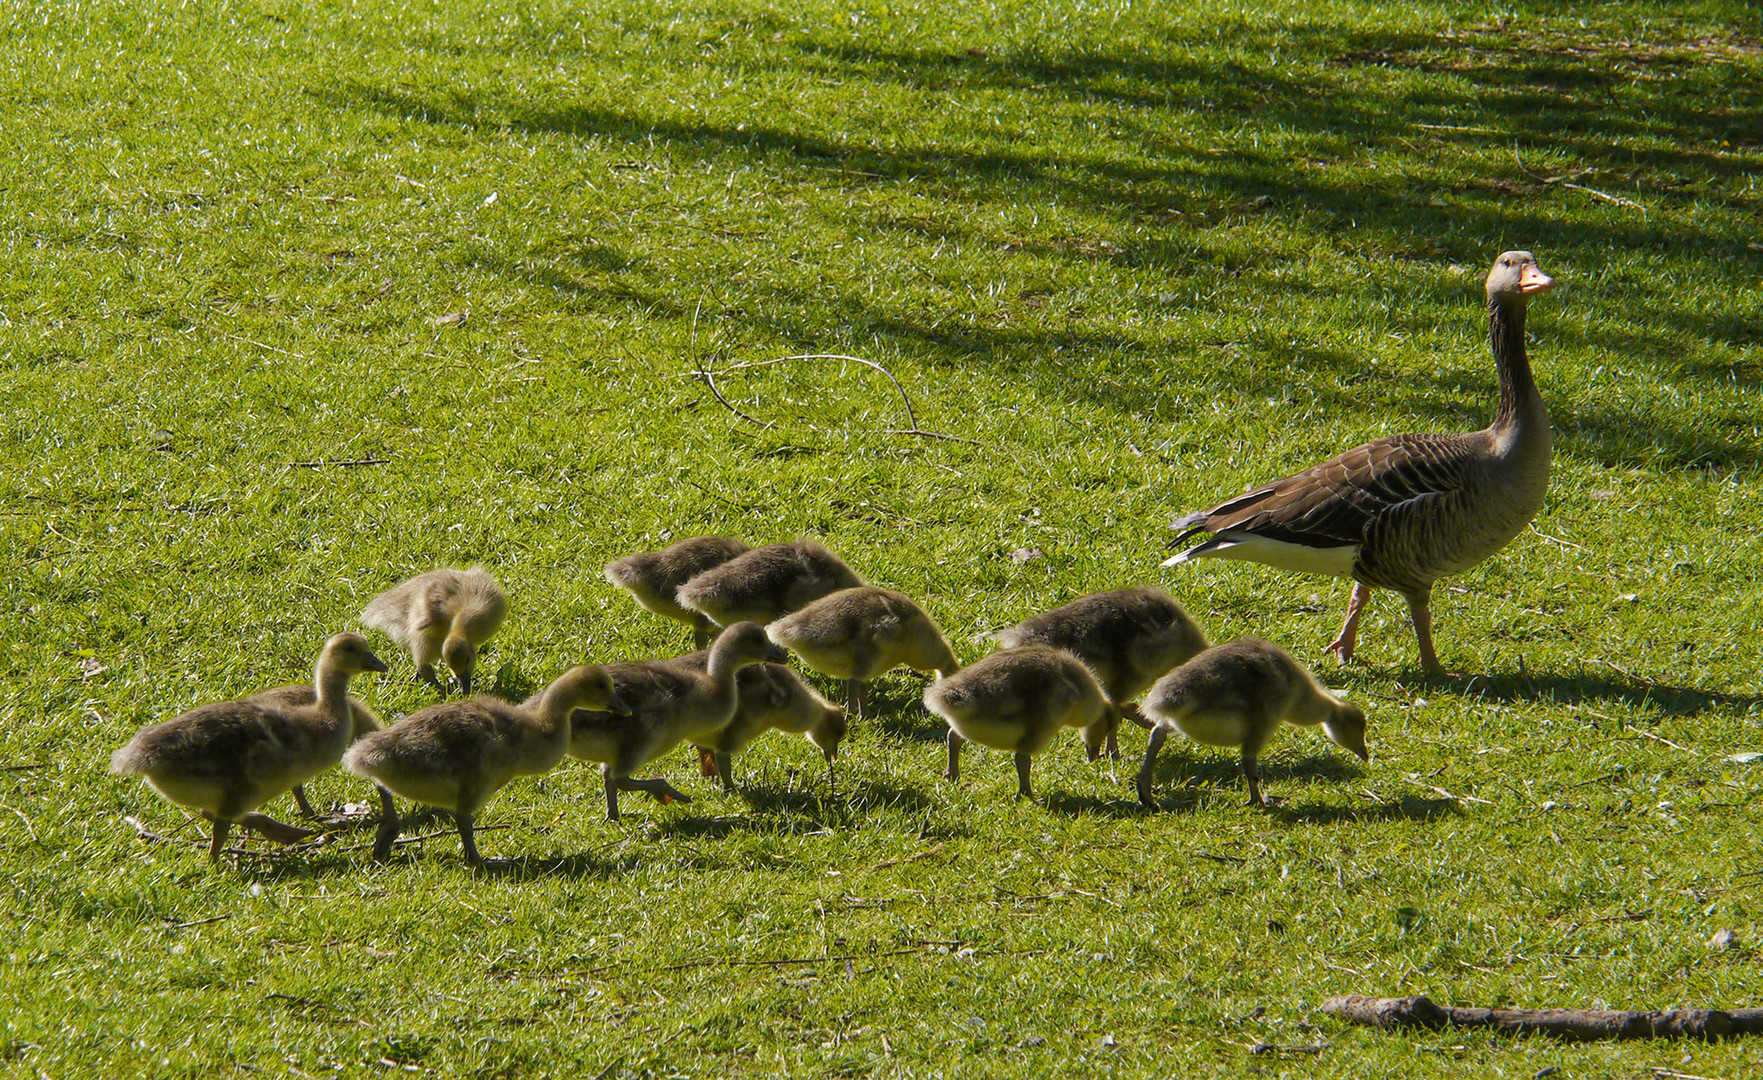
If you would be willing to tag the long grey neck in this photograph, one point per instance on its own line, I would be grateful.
(1520, 403)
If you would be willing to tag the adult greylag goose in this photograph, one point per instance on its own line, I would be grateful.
(1128, 637)
(1401, 512)
(1238, 694)
(441, 615)
(226, 759)
(457, 754)
(767, 583)
(653, 577)
(858, 633)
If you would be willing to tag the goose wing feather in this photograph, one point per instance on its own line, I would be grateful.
(1335, 503)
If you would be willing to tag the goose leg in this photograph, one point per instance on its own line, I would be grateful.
(1023, 789)
(1341, 648)
(217, 841)
(1130, 711)
(1109, 745)
(1158, 734)
(611, 792)
(1421, 612)
(1254, 779)
(655, 788)
(273, 829)
(306, 809)
(389, 826)
(467, 840)
(954, 770)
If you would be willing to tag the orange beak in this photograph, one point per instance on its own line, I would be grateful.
(1532, 280)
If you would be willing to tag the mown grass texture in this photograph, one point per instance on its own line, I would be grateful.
(1141, 255)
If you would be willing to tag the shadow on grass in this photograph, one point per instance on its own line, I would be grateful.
(1561, 689)
(1407, 808)
(1176, 165)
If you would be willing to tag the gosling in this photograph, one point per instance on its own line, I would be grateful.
(363, 721)
(455, 755)
(767, 583)
(1018, 700)
(856, 634)
(669, 701)
(443, 614)
(653, 577)
(1236, 695)
(226, 759)
(771, 697)
(1128, 637)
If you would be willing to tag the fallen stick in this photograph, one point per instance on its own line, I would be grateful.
(1571, 1024)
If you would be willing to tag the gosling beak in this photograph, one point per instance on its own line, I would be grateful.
(374, 663)
(617, 705)
(1364, 754)
(831, 753)
(1532, 280)
(465, 684)
(776, 654)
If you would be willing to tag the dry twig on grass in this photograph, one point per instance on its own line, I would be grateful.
(1571, 1024)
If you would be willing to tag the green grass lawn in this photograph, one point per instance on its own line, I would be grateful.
(1135, 256)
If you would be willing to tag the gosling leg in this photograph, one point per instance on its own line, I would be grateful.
(856, 691)
(217, 841)
(1341, 648)
(273, 829)
(611, 792)
(1130, 711)
(1249, 773)
(467, 840)
(306, 809)
(1023, 789)
(389, 828)
(953, 772)
(702, 633)
(1146, 771)
(655, 787)
(426, 673)
(724, 770)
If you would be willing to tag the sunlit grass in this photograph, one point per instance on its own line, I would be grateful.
(1133, 258)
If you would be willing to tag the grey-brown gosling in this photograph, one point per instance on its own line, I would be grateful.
(457, 754)
(670, 701)
(1237, 694)
(363, 721)
(770, 697)
(226, 759)
(654, 577)
(1401, 512)
(441, 615)
(1018, 700)
(767, 583)
(858, 633)
(1129, 637)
